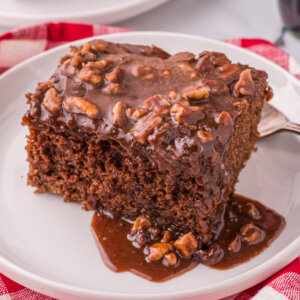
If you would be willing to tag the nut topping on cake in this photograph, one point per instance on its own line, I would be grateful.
(119, 113)
(145, 126)
(136, 113)
(90, 73)
(114, 75)
(196, 92)
(158, 104)
(245, 86)
(52, 101)
(80, 105)
(205, 136)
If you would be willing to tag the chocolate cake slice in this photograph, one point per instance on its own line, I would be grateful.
(136, 131)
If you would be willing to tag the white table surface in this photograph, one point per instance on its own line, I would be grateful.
(218, 19)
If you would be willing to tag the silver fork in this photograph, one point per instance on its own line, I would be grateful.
(272, 120)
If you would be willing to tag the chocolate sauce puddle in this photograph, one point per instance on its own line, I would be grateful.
(120, 255)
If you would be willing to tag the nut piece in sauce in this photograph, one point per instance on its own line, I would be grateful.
(167, 236)
(205, 136)
(211, 256)
(145, 126)
(252, 211)
(170, 259)
(186, 245)
(158, 104)
(141, 223)
(80, 105)
(158, 250)
(136, 113)
(52, 101)
(251, 234)
(245, 85)
(114, 75)
(235, 244)
(119, 113)
(196, 92)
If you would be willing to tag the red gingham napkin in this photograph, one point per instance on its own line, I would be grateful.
(285, 285)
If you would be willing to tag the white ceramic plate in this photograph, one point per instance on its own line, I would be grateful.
(27, 12)
(47, 245)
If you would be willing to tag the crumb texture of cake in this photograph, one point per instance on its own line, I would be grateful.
(135, 131)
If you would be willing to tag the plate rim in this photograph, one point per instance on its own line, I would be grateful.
(18, 18)
(237, 282)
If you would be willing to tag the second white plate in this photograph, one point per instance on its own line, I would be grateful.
(47, 245)
(28, 12)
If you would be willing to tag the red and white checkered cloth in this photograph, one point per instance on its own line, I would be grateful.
(285, 285)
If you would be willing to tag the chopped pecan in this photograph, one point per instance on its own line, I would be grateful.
(211, 256)
(183, 56)
(245, 85)
(100, 45)
(145, 126)
(86, 51)
(252, 211)
(186, 245)
(158, 104)
(90, 74)
(167, 236)
(136, 113)
(80, 105)
(166, 72)
(251, 234)
(187, 114)
(172, 95)
(115, 89)
(52, 101)
(196, 92)
(224, 118)
(104, 63)
(119, 113)
(204, 64)
(143, 70)
(141, 222)
(205, 136)
(170, 259)
(77, 61)
(213, 86)
(158, 250)
(114, 75)
(189, 69)
(227, 71)
(64, 58)
(235, 244)
(219, 59)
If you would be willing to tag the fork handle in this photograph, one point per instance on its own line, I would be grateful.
(292, 127)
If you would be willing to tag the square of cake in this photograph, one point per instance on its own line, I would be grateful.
(135, 131)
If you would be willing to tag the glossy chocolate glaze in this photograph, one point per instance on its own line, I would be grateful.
(119, 253)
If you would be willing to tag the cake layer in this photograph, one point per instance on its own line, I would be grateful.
(136, 131)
